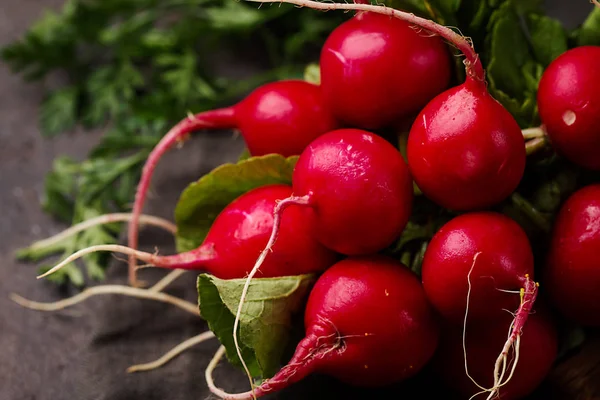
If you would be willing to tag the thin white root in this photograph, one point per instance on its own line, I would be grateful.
(167, 280)
(209, 371)
(107, 289)
(277, 214)
(464, 335)
(146, 257)
(174, 352)
(596, 2)
(105, 219)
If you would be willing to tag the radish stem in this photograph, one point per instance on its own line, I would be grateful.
(174, 352)
(472, 63)
(533, 133)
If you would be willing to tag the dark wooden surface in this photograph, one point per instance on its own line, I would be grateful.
(82, 353)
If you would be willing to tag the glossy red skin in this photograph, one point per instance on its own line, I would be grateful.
(538, 351)
(505, 259)
(572, 276)
(376, 69)
(241, 232)
(465, 150)
(571, 83)
(283, 117)
(360, 189)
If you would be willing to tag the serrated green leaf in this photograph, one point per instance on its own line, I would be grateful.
(266, 317)
(202, 201)
(58, 112)
(548, 38)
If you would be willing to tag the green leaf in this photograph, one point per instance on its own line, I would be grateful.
(548, 38)
(589, 32)
(202, 201)
(266, 317)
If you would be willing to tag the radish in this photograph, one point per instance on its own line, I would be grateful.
(473, 265)
(465, 150)
(538, 350)
(279, 117)
(377, 70)
(569, 104)
(573, 271)
(236, 238)
(367, 322)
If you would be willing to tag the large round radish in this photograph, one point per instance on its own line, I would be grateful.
(569, 104)
(376, 70)
(488, 250)
(572, 276)
(537, 352)
(357, 188)
(465, 150)
(238, 235)
(280, 117)
(367, 322)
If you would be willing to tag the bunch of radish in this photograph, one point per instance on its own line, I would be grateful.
(476, 313)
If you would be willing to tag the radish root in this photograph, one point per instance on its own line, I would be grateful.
(105, 219)
(209, 371)
(174, 352)
(107, 289)
(596, 2)
(146, 257)
(472, 62)
(278, 211)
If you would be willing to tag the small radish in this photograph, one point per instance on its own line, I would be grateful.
(538, 351)
(280, 117)
(569, 105)
(504, 263)
(473, 266)
(573, 271)
(376, 70)
(465, 150)
(367, 322)
(236, 238)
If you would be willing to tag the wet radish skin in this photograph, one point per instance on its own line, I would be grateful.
(360, 189)
(572, 276)
(569, 105)
(465, 150)
(376, 70)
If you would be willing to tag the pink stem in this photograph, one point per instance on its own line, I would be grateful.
(222, 118)
(305, 361)
(473, 64)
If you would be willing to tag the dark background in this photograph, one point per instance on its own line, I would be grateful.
(82, 352)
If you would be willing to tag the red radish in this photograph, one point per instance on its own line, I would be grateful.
(538, 350)
(236, 238)
(367, 322)
(569, 105)
(465, 150)
(505, 263)
(573, 272)
(376, 70)
(473, 266)
(280, 117)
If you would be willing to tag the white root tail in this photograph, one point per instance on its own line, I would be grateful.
(116, 248)
(102, 220)
(208, 375)
(174, 352)
(107, 289)
(277, 214)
